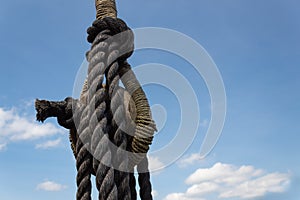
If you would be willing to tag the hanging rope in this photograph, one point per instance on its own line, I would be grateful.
(144, 124)
(107, 115)
(144, 180)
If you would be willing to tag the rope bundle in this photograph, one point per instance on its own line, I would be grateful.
(112, 44)
(108, 121)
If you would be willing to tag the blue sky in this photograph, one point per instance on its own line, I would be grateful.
(255, 45)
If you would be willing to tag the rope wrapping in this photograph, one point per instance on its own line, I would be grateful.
(106, 8)
(145, 126)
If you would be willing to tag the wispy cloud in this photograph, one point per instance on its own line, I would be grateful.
(49, 144)
(15, 127)
(189, 160)
(3, 146)
(230, 181)
(51, 186)
(154, 193)
(181, 196)
(155, 164)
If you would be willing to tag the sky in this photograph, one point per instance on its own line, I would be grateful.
(255, 47)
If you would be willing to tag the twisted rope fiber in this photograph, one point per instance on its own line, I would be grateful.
(97, 101)
(101, 122)
(122, 176)
(144, 180)
(132, 183)
(116, 94)
(144, 119)
(68, 112)
(105, 9)
(83, 160)
(64, 113)
(145, 126)
(81, 153)
(107, 179)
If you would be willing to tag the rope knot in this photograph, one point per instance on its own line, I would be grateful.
(117, 28)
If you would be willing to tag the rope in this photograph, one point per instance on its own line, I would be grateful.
(63, 110)
(97, 97)
(83, 159)
(122, 177)
(105, 114)
(105, 8)
(132, 184)
(144, 180)
(145, 125)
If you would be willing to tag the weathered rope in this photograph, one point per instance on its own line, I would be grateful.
(107, 114)
(105, 8)
(145, 126)
(83, 159)
(122, 177)
(144, 180)
(97, 99)
(66, 117)
(132, 183)
(104, 53)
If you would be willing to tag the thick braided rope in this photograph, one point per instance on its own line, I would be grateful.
(97, 100)
(83, 165)
(145, 126)
(119, 137)
(122, 175)
(83, 158)
(112, 78)
(66, 117)
(93, 125)
(63, 110)
(145, 129)
(92, 110)
(132, 183)
(144, 180)
(105, 8)
(117, 96)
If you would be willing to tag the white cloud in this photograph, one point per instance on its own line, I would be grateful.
(181, 196)
(223, 173)
(15, 127)
(3, 146)
(202, 188)
(155, 164)
(154, 193)
(49, 144)
(190, 160)
(229, 181)
(270, 183)
(50, 186)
